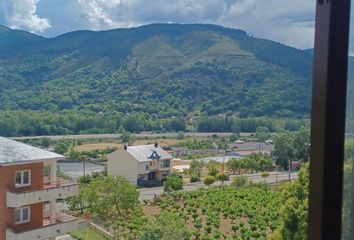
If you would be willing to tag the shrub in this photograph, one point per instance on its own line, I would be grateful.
(212, 169)
(195, 179)
(208, 180)
(265, 175)
(173, 183)
(221, 177)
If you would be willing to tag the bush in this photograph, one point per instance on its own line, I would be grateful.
(195, 179)
(240, 181)
(222, 177)
(173, 183)
(212, 169)
(208, 180)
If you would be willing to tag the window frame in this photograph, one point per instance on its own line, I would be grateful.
(21, 209)
(22, 178)
(328, 119)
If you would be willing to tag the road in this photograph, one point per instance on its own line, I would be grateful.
(65, 237)
(138, 135)
(149, 193)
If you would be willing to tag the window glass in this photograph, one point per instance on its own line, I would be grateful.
(18, 178)
(23, 178)
(22, 215)
(17, 215)
(26, 177)
(25, 214)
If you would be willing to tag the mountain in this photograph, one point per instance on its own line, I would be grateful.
(163, 69)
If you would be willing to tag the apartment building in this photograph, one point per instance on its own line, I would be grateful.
(29, 190)
(140, 164)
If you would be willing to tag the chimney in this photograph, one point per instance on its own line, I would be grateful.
(125, 147)
(156, 144)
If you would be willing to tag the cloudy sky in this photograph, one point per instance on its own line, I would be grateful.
(287, 21)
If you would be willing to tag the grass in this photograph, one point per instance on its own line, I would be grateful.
(87, 234)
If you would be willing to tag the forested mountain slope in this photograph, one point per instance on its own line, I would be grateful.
(163, 69)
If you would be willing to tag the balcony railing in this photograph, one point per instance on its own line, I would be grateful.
(60, 189)
(62, 224)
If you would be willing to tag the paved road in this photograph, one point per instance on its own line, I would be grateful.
(149, 193)
(75, 169)
(139, 135)
(65, 237)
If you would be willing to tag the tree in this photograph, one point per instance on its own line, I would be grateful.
(74, 155)
(61, 147)
(126, 137)
(180, 135)
(212, 168)
(113, 199)
(45, 142)
(283, 152)
(173, 183)
(262, 133)
(294, 211)
(265, 175)
(234, 137)
(196, 168)
(208, 180)
(234, 165)
(302, 144)
(222, 177)
(165, 226)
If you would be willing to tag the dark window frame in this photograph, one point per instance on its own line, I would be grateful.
(328, 119)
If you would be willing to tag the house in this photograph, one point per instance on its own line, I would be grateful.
(29, 189)
(140, 163)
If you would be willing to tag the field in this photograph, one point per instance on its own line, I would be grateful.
(224, 212)
(96, 146)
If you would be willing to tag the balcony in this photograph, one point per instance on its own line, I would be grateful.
(61, 225)
(58, 190)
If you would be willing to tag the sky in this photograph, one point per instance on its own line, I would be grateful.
(286, 21)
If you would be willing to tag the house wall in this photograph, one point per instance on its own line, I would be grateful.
(142, 167)
(121, 163)
(7, 181)
(162, 174)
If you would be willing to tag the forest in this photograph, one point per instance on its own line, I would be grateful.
(29, 123)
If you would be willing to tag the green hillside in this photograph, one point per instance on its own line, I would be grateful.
(161, 69)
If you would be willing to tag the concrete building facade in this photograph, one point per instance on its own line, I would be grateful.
(140, 163)
(29, 190)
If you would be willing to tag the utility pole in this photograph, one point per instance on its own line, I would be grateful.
(289, 169)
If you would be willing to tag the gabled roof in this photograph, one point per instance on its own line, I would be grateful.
(16, 152)
(144, 153)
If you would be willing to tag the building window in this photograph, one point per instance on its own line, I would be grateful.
(165, 164)
(22, 215)
(23, 178)
(146, 167)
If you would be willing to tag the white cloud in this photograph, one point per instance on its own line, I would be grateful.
(287, 21)
(22, 14)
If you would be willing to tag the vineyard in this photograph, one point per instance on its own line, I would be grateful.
(226, 212)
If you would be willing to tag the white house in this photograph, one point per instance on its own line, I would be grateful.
(143, 163)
